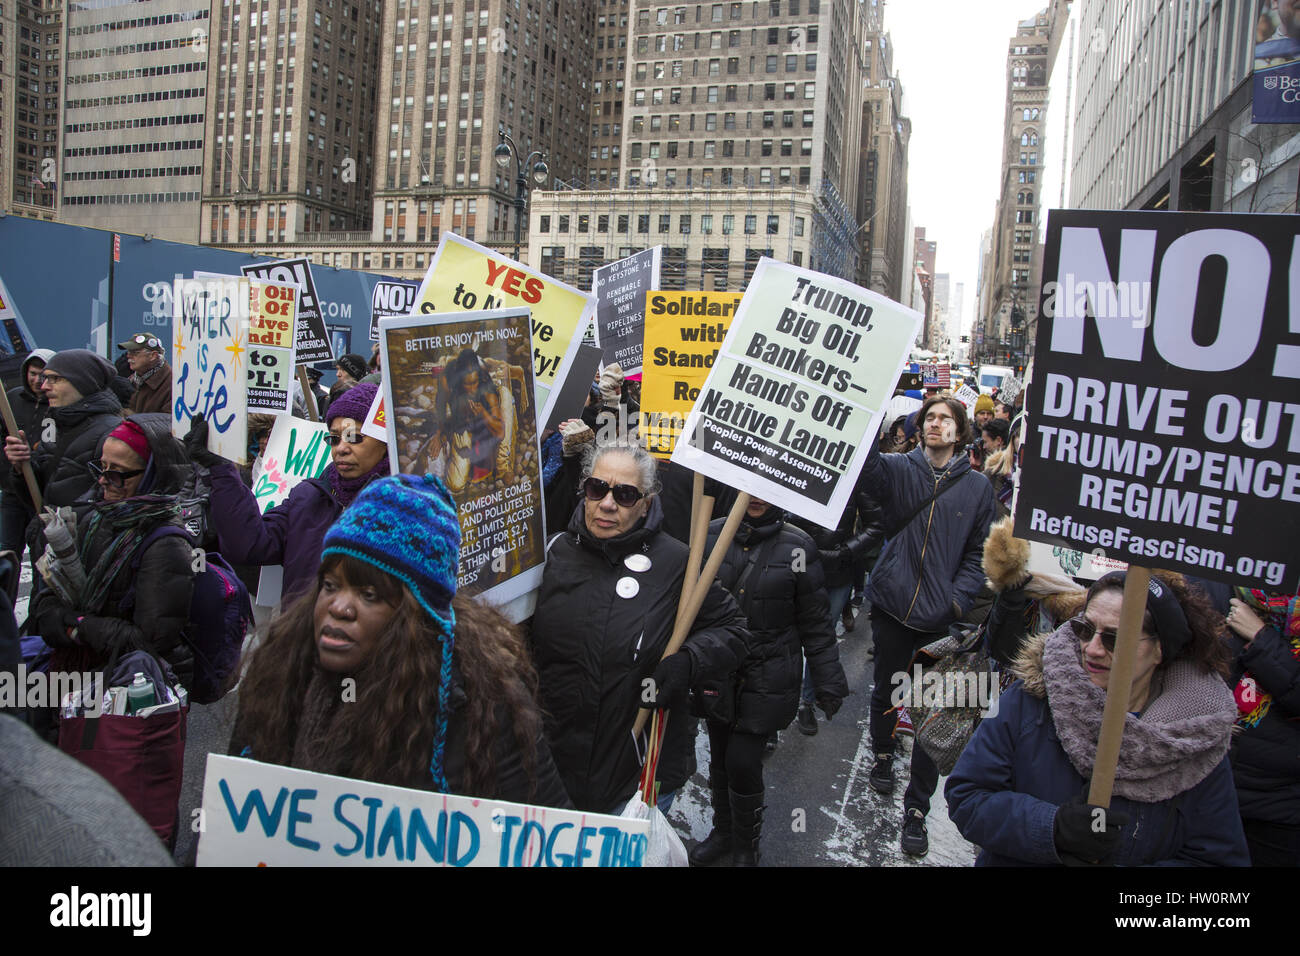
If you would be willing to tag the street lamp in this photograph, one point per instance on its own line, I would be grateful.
(505, 151)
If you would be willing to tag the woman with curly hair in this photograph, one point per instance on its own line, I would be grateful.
(1018, 789)
(382, 673)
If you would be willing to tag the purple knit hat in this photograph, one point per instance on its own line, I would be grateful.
(354, 403)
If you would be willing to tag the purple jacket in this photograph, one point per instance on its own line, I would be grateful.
(290, 534)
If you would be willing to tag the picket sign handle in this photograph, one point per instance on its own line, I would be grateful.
(686, 619)
(1120, 685)
(698, 536)
(308, 396)
(12, 425)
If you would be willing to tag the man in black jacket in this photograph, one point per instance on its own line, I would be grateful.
(937, 514)
(82, 411)
(29, 408)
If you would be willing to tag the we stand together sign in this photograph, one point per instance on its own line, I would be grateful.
(1165, 406)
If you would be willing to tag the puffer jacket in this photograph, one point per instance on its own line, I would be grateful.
(1013, 775)
(773, 571)
(291, 534)
(1266, 755)
(29, 409)
(79, 430)
(929, 574)
(148, 609)
(594, 649)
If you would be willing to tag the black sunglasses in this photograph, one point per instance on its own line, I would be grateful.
(114, 479)
(626, 495)
(352, 438)
(1084, 631)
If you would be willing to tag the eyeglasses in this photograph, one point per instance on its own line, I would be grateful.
(352, 438)
(114, 479)
(626, 495)
(1084, 631)
(52, 378)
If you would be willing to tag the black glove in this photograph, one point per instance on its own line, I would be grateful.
(671, 682)
(55, 621)
(832, 557)
(1085, 834)
(196, 444)
(829, 704)
(98, 633)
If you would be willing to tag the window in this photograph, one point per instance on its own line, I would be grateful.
(773, 225)
(751, 225)
(544, 224)
(798, 225)
(706, 224)
(665, 222)
(684, 224)
(643, 223)
(564, 220)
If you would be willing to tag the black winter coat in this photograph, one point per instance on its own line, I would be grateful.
(163, 586)
(594, 649)
(774, 573)
(860, 530)
(929, 574)
(29, 409)
(79, 431)
(1266, 757)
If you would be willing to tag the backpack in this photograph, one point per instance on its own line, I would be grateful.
(220, 616)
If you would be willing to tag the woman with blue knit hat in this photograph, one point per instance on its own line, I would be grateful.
(443, 695)
(290, 534)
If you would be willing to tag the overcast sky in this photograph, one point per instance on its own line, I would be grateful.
(951, 58)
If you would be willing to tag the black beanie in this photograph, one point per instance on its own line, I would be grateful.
(86, 371)
(354, 365)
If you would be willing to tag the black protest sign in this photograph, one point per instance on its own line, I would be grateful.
(1165, 422)
(391, 297)
(620, 289)
(312, 341)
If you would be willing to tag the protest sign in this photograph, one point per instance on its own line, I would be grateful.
(295, 451)
(571, 397)
(796, 393)
(621, 289)
(210, 361)
(909, 382)
(376, 423)
(465, 276)
(968, 397)
(936, 375)
(1166, 430)
(391, 297)
(683, 333)
(312, 338)
(1010, 389)
(271, 311)
(340, 338)
(258, 814)
(459, 390)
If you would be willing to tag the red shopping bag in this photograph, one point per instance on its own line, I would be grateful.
(142, 757)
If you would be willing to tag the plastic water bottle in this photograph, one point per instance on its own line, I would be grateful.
(140, 694)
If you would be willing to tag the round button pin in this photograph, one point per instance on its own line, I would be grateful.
(627, 587)
(637, 562)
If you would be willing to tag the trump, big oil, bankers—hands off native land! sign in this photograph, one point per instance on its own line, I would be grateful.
(796, 393)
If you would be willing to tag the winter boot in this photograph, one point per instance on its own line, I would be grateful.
(716, 847)
(806, 719)
(747, 817)
(882, 774)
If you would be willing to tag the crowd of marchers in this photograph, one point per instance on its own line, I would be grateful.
(374, 667)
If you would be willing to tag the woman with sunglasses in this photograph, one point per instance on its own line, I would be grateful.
(1018, 790)
(140, 474)
(604, 616)
(290, 534)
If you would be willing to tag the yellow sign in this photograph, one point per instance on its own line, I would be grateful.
(467, 277)
(683, 332)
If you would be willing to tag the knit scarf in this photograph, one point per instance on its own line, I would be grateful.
(139, 378)
(1180, 738)
(345, 490)
(1282, 613)
(126, 524)
(315, 747)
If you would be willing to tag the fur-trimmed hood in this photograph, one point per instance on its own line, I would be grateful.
(1006, 563)
(1179, 738)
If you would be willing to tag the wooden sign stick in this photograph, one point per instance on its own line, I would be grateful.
(12, 425)
(308, 396)
(686, 619)
(1120, 686)
(701, 508)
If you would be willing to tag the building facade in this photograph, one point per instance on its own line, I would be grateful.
(132, 133)
(31, 39)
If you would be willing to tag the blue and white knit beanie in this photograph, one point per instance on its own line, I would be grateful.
(407, 527)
